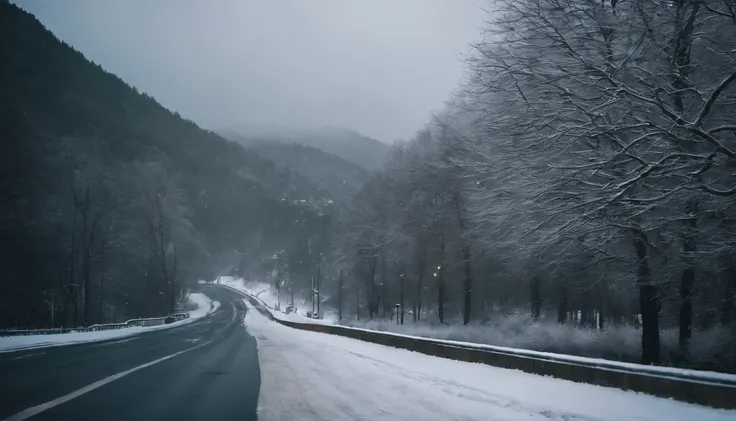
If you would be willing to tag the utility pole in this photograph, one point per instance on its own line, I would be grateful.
(401, 299)
(312, 294)
(319, 266)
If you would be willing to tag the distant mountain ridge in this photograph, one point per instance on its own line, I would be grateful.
(349, 145)
(341, 178)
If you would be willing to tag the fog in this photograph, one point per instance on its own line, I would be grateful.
(377, 67)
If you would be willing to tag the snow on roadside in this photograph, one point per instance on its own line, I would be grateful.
(664, 371)
(262, 292)
(15, 343)
(204, 306)
(314, 376)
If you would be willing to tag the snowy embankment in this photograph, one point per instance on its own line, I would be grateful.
(709, 348)
(314, 376)
(262, 292)
(203, 305)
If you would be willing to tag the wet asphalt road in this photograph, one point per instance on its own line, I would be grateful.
(211, 373)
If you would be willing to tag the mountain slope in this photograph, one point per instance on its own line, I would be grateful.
(341, 178)
(122, 200)
(347, 144)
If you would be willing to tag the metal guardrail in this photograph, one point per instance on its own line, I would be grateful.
(142, 322)
(683, 385)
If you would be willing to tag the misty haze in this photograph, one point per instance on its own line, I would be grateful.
(368, 210)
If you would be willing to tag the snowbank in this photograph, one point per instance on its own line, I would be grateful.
(598, 362)
(520, 332)
(204, 306)
(263, 293)
(15, 343)
(314, 376)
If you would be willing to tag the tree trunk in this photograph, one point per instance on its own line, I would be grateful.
(687, 281)
(420, 289)
(173, 293)
(467, 302)
(372, 292)
(648, 302)
(536, 297)
(72, 254)
(731, 297)
(684, 27)
(728, 305)
(85, 254)
(86, 269)
(468, 282)
(382, 298)
(101, 318)
(75, 306)
(586, 313)
(441, 280)
(600, 314)
(562, 307)
(339, 295)
(357, 302)
(615, 313)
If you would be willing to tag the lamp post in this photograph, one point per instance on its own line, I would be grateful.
(401, 299)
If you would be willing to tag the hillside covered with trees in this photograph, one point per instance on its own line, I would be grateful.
(111, 204)
(339, 178)
(347, 144)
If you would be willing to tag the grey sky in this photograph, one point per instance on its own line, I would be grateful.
(375, 66)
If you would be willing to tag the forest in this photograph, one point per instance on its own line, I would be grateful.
(580, 183)
(111, 205)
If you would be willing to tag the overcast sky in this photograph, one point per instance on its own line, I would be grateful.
(375, 66)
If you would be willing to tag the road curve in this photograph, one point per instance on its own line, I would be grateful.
(204, 370)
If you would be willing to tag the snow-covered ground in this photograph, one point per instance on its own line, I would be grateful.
(519, 331)
(15, 343)
(313, 376)
(204, 305)
(262, 291)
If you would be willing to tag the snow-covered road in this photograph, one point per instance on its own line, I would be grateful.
(314, 376)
